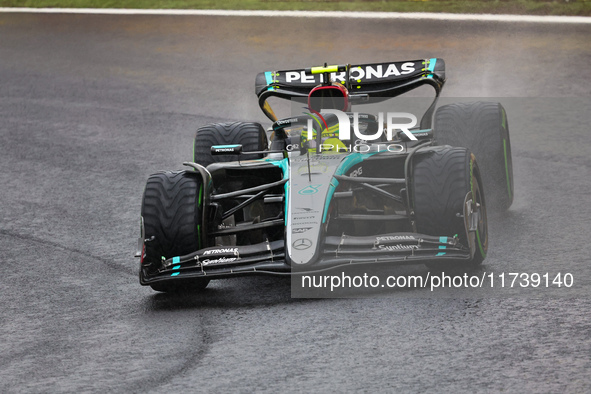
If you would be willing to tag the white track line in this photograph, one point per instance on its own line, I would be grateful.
(313, 14)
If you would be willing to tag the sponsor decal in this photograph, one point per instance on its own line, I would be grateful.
(307, 209)
(395, 238)
(215, 149)
(317, 157)
(305, 214)
(421, 134)
(286, 121)
(357, 172)
(221, 260)
(302, 244)
(300, 230)
(221, 251)
(398, 247)
(367, 73)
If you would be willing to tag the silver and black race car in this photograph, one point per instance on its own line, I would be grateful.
(330, 187)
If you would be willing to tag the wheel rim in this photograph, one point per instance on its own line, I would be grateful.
(482, 228)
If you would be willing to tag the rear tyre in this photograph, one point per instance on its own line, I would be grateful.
(251, 136)
(441, 180)
(481, 127)
(171, 215)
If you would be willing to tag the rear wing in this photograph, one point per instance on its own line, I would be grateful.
(373, 80)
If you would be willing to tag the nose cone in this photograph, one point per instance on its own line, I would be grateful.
(310, 178)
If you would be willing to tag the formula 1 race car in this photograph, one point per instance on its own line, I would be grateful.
(330, 187)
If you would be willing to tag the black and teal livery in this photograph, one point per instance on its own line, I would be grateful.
(249, 206)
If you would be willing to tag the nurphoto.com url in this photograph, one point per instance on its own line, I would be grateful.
(440, 280)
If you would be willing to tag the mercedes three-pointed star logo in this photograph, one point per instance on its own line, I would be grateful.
(301, 244)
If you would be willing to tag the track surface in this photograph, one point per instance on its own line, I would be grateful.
(91, 105)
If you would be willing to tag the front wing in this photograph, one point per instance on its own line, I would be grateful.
(268, 258)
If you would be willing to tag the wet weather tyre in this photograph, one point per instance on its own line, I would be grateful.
(251, 136)
(171, 218)
(482, 127)
(441, 180)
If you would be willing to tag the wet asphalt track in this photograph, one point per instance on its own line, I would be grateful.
(91, 105)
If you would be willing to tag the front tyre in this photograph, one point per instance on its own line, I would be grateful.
(251, 136)
(482, 127)
(441, 180)
(171, 213)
